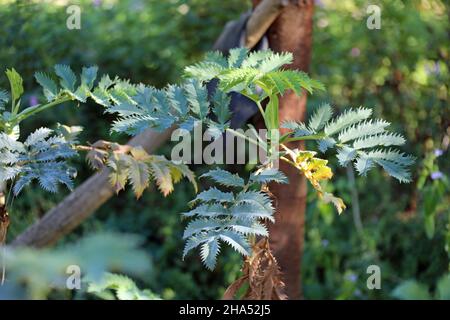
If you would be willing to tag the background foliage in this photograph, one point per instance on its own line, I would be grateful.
(402, 71)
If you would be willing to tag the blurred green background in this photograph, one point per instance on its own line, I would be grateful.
(401, 70)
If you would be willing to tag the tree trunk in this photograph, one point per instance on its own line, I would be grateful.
(291, 31)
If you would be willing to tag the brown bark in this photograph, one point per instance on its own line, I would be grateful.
(291, 31)
(83, 202)
(261, 19)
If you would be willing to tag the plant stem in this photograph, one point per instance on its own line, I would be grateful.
(311, 137)
(86, 148)
(288, 161)
(36, 109)
(355, 201)
(261, 110)
(243, 136)
(285, 136)
(257, 135)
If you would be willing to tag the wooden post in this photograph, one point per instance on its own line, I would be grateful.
(291, 31)
(262, 19)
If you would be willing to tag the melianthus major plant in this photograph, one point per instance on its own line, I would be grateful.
(236, 210)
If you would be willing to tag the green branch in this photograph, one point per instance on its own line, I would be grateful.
(310, 137)
(36, 109)
(243, 136)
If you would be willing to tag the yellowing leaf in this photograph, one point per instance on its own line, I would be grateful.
(137, 166)
(119, 173)
(322, 173)
(315, 170)
(301, 157)
(166, 173)
(139, 153)
(337, 202)
(176, 173)
(185, 172)
(161, 173)
(139, 176)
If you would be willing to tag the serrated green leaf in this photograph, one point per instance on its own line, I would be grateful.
(106, 82)
(299, 128)
(197, 95)
(346, 119)
(384, 139)
(250, 211)
(366, 128)
(254, 58)
(237, 79)
(346, 155)
(274, 61)
(203, 71)
(258, 199)
(209, 252)
(395, 170)
(208, 210)
(4, 96)
(16, 83)
(278, 81)
(392, 155)
(320, 117)
(101, 96)
(49, 86)
(215, 195)
(221, 106)
(124, 287)
(88, 76)
(269, 175)
(225, 178)
(363, 164)
(177, 99)
(200, 226)
(67, 77)
(216, 57)
(236, 241)
(325, 144)
(297, 80)
(82, 93)
(37, 136)
(194, 241)
(250, 228)
(236, 57)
